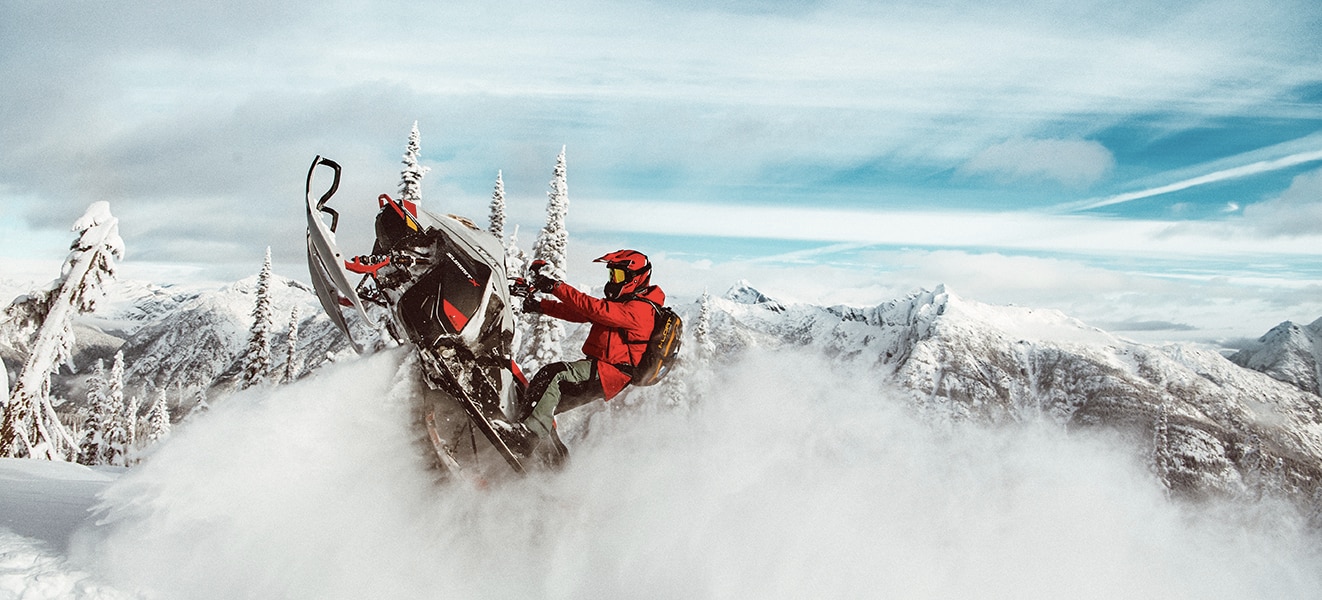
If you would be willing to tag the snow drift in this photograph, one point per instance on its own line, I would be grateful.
(786, 478)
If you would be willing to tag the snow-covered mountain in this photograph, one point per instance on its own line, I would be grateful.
(200, 340)
(1290, 353)
(190, 337)
(1207, 425)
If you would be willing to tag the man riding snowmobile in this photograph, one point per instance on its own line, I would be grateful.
(621, 326)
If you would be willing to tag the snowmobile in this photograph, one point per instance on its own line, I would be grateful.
(441, 283)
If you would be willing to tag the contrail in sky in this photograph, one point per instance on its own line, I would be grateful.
(1222, 175)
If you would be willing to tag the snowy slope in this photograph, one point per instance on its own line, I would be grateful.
(41, 505)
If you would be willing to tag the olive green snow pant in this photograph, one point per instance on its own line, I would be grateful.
(559, 387)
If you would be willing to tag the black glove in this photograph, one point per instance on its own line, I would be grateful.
(521, 288)
(531, 305)
(543, 283)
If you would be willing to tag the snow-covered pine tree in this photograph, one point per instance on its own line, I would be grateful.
(30, 427)
(497, 225)
(1162, 460)
(132, 407)
(200, 404)
(548, 334)
(292, 366)
(89, 445)
(516, 260)
(410, 179)
(553, 239)
(4, 386)
(115, 425)
(257, 357)
(702, 332)
(159, 418)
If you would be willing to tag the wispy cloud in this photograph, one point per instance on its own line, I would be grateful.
(1020, 231)
(1256, 168)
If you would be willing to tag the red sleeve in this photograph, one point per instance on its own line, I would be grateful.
(630, 315)
(562, 311)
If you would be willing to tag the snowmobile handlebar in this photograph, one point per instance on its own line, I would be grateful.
(335, 185)
(371, 263)
(521, 288)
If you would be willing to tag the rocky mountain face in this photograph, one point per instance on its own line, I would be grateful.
(189, 337)
(1290, 353)
(1207, 425)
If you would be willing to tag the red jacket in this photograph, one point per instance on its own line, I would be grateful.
(609, 320)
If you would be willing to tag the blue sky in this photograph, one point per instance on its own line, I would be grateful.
(1152, 167)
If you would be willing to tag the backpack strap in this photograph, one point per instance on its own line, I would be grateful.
(628, 368)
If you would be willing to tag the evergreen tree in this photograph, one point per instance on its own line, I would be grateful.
(516, 260)
(159, 418)
(1162, 461)
(132, 408)
(200, 404)
(30, 426)
(497, 226)
(548, 334)
(292, 366)
(702, 332)
(410, 179)
(115, 424)
(257, 358)
(89, 446)
(553, 239)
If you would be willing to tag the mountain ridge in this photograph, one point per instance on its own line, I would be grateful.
(1207, 424)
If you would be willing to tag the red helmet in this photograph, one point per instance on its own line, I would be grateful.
(630, 271)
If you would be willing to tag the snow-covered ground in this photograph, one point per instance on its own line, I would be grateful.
(785, 479)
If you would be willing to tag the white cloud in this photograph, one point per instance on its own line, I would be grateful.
(1296, 212)
(1020, 231)
(1071, 162)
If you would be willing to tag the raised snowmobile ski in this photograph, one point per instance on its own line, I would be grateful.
(329, 277)
(442, 283)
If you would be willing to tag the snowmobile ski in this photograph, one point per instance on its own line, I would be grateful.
(330, 279)
(443, 455)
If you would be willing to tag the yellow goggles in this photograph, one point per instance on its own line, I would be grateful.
(617, 275)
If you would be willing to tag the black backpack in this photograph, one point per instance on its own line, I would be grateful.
(662, 346)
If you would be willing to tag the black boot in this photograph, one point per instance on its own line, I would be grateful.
(520, 440)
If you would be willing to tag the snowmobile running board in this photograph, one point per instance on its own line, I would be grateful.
(450, 386)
